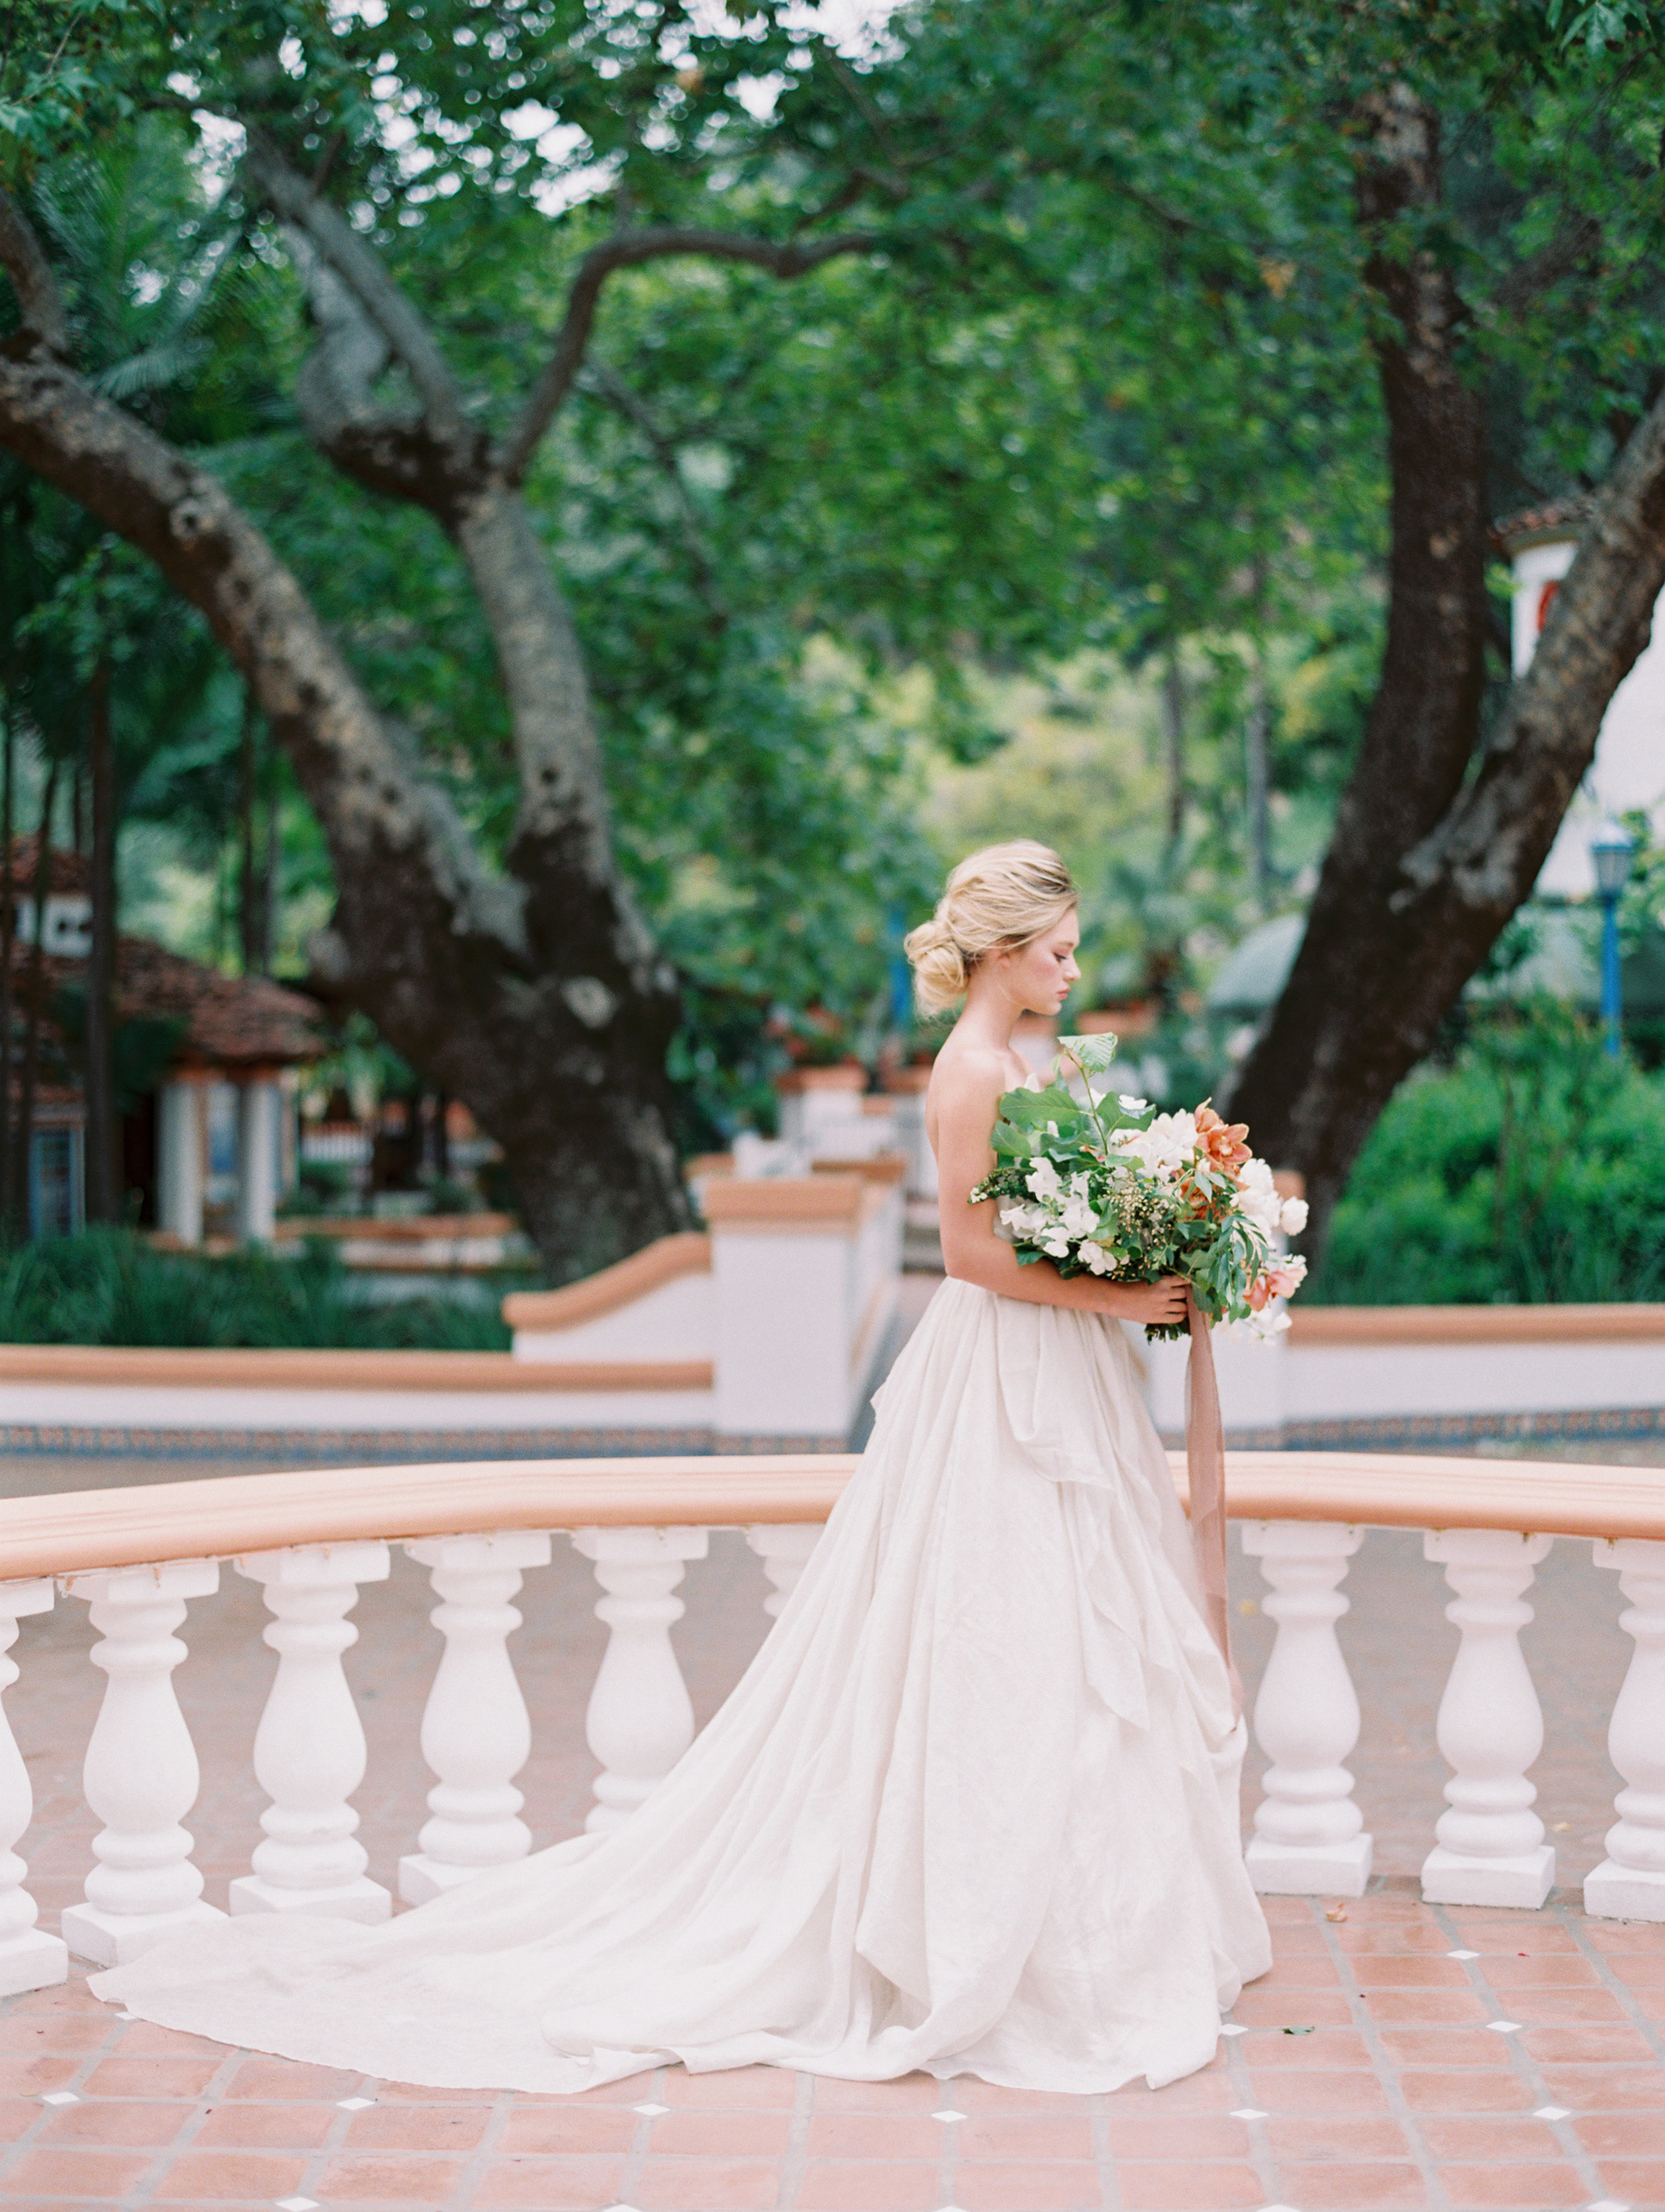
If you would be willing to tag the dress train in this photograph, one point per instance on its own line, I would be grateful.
(972, 1808)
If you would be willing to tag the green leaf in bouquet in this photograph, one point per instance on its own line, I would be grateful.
(1091, 1054)
(1033, 1109)
(1011, 1142)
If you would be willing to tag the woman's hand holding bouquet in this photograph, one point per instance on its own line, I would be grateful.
(1111, 1188)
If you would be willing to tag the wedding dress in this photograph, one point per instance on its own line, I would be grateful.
(972, 1808)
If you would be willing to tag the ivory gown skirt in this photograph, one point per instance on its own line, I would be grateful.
(973, 1808)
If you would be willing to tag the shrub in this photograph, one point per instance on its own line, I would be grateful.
(108, 1286)
(1527, 1172)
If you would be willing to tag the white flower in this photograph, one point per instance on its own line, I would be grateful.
(1078, 1214)
(1165, 1147)
(1055, 1246)
(1045, 1180)
(1271, 1321)
(1025, 1220)
(1096, 1259)
(1135, 1105)
(1257, 1199)
(1293, 1219)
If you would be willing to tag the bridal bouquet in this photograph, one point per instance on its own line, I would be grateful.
(1104, 1185)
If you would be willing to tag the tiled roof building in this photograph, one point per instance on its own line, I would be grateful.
(240, 1030)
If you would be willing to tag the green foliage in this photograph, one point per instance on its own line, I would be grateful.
(1527, 1172)
(108, 1287)
(1103, 385)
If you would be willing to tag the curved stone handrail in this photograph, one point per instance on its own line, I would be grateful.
(1547, 1324)
(141, 1557)
(229, 1516)
(232, 1367)
(226, 1516)
(686, 1253)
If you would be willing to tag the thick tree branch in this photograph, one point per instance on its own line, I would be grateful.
(294, 199)
(183, 519)
(1497, 834)
(628, 249)
(562, 843)
(390, 451)
(540, 1000)
(39, 302)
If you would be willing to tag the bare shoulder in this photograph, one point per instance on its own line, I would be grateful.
(967, 1079)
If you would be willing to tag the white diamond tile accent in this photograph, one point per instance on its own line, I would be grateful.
(355, 2104)
(650, 2111)
(1552, 2112)
(948, 2113)
(296, 2203)
(1504, 2026)
(1462, 1954)
(1231, 2027)
(1248, 2112)
(59, 2097)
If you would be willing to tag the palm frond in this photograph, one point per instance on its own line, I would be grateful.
(152, 370)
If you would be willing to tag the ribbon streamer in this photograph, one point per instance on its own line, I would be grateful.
(1205, 1467)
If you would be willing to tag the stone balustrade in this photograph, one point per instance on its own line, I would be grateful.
(141, 1559)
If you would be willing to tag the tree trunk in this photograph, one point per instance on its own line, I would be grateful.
(1425, 868)
(34, 997)
(538, 1000)
(104, 1195)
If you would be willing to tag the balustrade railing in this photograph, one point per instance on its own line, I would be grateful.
(140, 1557)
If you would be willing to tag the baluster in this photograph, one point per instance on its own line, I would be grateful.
(1630, 1882)
(140, 1774)
(309, 1749)
(30, 1958)
(1491, 1849)
(1309, 1833)
(476, 1732)
(640, 1721)
(784, 1547)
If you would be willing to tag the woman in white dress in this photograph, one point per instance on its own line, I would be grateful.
(973, 1808)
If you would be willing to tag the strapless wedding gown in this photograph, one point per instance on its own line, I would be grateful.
(973, 1808)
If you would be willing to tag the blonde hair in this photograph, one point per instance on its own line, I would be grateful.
(995, 899)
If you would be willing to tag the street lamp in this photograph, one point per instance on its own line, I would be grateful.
(1610, 848)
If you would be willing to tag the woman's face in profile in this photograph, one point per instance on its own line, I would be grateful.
(1039, 974)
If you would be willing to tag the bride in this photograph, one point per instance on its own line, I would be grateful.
(973, 1806)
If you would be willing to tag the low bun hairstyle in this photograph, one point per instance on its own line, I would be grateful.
(995, 899)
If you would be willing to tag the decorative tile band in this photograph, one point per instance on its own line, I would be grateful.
(1420, 1431)
(395, 1447)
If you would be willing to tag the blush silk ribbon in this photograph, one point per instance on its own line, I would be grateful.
(1205, 1467)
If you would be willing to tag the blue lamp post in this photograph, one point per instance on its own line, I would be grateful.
(1610, 850)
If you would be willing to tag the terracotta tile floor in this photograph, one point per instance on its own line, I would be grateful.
(1368, 2074)
(1371, 2072)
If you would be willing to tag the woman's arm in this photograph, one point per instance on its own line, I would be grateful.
(967, 1100)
